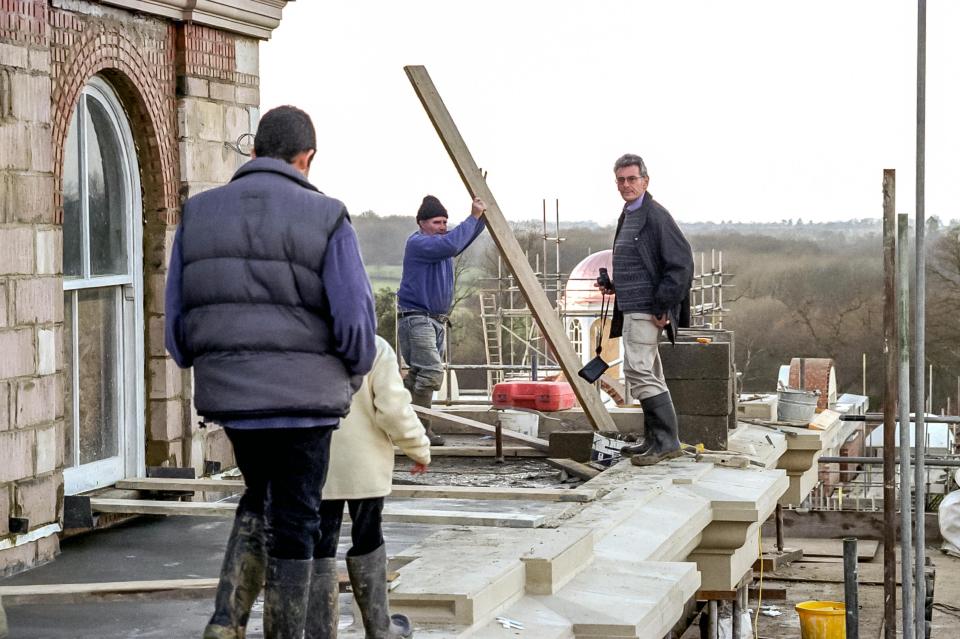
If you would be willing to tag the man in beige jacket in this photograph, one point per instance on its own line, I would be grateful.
(361, 475)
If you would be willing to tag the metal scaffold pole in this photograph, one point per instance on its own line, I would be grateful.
(920, 322)
(889, 405)
(903, 346)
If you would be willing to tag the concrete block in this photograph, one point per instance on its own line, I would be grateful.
(36, 401)
(49, 251)
(13, 55)
(571, 444)
(41, 141)
(16, 454)
(38, 499)
(702, 396)
(30, 97)
(692, 360)
(217, 447)
(193, 87)
(237, 123)
(207, 161)
(47, 549)
(17, 559)
(39, 300)
(29, 198)
(166, 420)
(18, 254)
(46, 351)
(40, 60)
(709, 430)
(247, 56)
(14, 149)
(4, 406)
(164, 453)
(223, 92)
(155, 293)
(155, 333)
(18, 353)
(4, 511)
(165, 380)
(248, 95)
(46, 449)
(201, 120)
(4, 307)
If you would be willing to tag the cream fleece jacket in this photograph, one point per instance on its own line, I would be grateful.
(361, 452)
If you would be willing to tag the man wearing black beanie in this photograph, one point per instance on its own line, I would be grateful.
(425, 295)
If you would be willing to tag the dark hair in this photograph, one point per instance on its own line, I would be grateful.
(430, 208)
(284, 133)
(630, 159)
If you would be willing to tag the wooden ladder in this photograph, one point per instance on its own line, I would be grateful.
(491, 337)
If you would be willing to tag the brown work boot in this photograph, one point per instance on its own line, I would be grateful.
(660, 423)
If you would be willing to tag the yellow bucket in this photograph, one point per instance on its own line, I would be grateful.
(822, 620)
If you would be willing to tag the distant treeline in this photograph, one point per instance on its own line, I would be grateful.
(796, 290)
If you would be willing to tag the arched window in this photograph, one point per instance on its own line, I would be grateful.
(102, 281)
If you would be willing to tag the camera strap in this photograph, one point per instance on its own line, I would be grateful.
(604, 307)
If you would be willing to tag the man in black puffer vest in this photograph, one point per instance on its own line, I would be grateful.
(652, 273)
(268, 300)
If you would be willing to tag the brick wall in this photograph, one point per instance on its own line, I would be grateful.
(31, 297)
(217, 98)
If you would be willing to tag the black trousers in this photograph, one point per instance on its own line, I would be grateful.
(284, 470)
(365, 532)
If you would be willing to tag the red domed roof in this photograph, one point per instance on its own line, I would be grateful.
(580, 293)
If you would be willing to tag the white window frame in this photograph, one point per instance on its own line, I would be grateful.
(129, 309)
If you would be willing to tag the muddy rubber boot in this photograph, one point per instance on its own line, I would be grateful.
(323, 611)
(368, 578)
(285, 597)
(662, 431)
(241, 578)
(424, 398)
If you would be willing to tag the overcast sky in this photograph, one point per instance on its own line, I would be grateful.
(743, 110)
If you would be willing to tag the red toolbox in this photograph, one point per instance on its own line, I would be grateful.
(544, 396)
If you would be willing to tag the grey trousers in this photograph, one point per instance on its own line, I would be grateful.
(641, 356)
(422, 343)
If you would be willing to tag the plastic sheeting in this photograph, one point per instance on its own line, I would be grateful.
(950, 523)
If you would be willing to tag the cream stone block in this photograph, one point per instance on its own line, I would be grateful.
(46, 449)
(205, 120)
(39, 300)
(16, 454)
(208, 162)
(237, 123)
(166, 420)
(165, 379)
(4, 512)
(41, 144)
(49, 251)
(247, 56)
(46, 351)
(30, 97)
(4, 407)
(248, 95)
(38, 499)
(36, 401)
(13, 55)
(194, 87)
(47, 549)
(156, 328)
(18, 353)
(4, 306)
(28, 198)
(14, 148)
(18, 558)
(223, 91)
(17, 256)
(40, 60)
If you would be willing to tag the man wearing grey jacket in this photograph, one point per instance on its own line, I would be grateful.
(652, 273)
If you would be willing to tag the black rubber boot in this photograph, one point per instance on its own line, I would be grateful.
(323, 613)
(424, 398)
(660, 421)
(368, 578)
(241, 578)
(285, 597)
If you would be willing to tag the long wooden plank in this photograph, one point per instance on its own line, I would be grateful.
(472, 492)
(482, 451)
(391, 513)
(152, 590)
(401, 491)
(574, 468)
(543, 312)
(532, 442)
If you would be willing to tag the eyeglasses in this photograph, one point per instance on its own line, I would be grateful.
(630, 179)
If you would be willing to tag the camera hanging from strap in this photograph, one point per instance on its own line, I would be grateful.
(596, 367)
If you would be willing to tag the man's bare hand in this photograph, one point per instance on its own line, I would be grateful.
(478, 208)
(419, 469)
(660, 320)
(606, 290)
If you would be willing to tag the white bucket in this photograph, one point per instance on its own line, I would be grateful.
(795, 405)
(521, 422)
